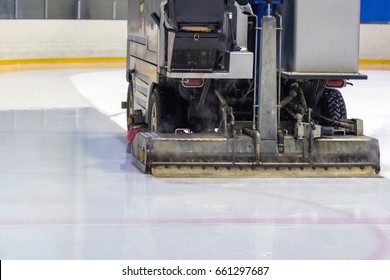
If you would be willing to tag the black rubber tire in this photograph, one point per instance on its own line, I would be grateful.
(162, 114)
(332, 106)
(130, 103)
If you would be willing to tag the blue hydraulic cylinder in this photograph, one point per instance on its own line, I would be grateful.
(260, 7)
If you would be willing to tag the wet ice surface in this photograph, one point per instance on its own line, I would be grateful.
(68, 189)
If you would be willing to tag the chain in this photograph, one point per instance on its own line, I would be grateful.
(234, 146)
(230, 126)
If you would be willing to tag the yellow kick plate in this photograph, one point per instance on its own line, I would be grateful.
(261, 172)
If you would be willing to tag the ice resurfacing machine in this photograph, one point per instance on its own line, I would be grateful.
(219, 89)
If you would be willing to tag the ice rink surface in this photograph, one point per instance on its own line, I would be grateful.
(68, 189)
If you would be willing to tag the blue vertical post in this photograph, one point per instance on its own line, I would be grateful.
(260, 9)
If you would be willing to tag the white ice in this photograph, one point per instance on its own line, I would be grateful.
(68, 189)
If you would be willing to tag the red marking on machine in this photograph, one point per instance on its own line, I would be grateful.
(194, 83)
(134, 131)
(336, 84)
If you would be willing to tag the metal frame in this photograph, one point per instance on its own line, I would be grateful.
(323, 76)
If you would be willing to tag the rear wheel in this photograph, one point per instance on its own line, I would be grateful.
(332, 106)
(130, 104)
(161, 112)
(154, 115)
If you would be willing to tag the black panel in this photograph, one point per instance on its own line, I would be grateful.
(208, 13)
(189, 51)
